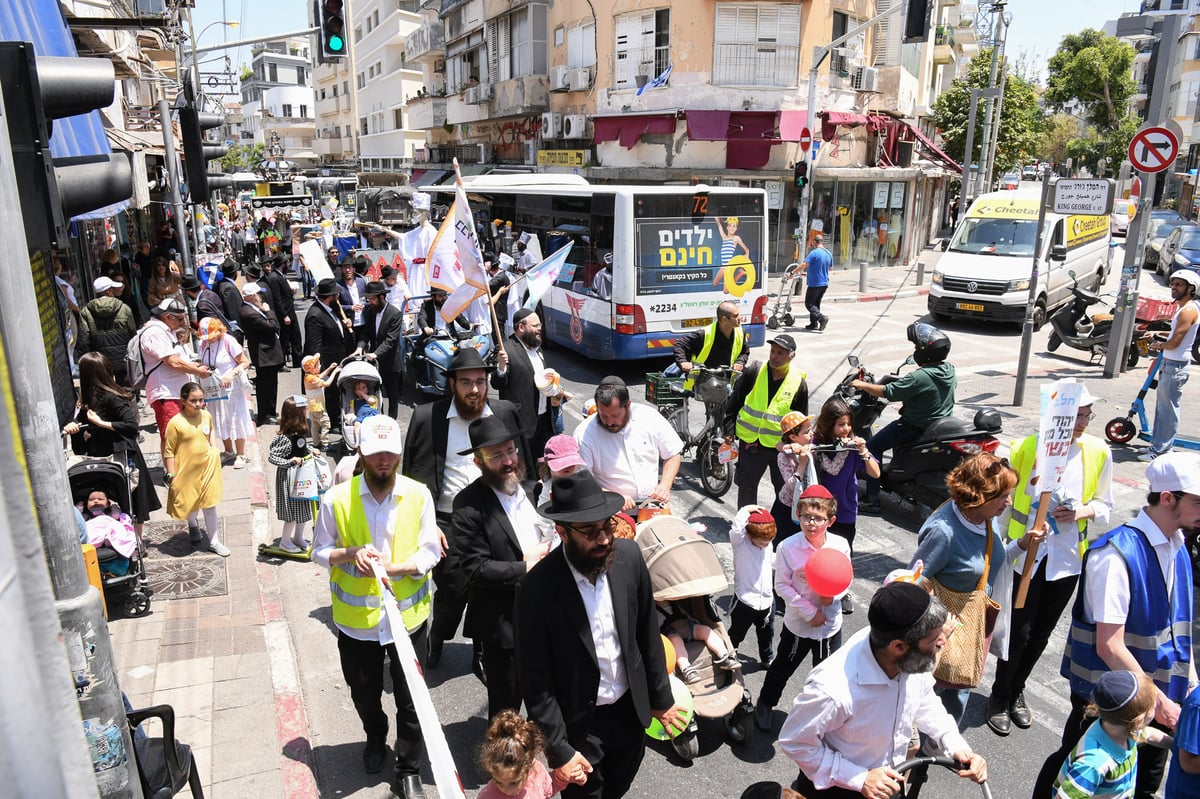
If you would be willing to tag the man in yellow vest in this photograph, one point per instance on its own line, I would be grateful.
(1080, 507)
(723, 343)
(760, 400)
(387, 519)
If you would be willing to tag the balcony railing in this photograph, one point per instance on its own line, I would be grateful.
(427, 42)
(637, 65)
(756, 65)
(944, 35)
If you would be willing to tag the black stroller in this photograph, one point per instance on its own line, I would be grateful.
(129, 591)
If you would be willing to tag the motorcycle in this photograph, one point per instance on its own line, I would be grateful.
(917, 470)
(428, 361)
(1071, 325)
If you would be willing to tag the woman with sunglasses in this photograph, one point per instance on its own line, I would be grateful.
(192, 458)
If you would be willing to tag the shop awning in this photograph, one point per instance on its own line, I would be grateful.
(830, 120)
(628, 129)
(42, 23)
(792, 124)
(936, 152)
(749, 135)
(429, 177)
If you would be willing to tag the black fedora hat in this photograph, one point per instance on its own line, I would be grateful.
(376, 288)
(578, 498)
(190, 283)
(488, 431)
(254, 271)
(466, 358)
(327, 287)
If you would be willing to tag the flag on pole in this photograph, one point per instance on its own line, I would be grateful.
(455, 263)
(658, 82)
(540, 278)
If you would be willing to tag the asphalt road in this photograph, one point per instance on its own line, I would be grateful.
(986, 360)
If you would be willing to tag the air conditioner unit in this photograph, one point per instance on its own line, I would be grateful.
(561, 79)
(581, 79)
(863, 79)
(485, 153)
(471, 96)
(551, 125)
(486, 92)
(531, 152)
(574, 126)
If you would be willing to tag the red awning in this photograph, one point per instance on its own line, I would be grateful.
(830, 120)
(936, 152)
(629, 129)
(792, 124)
(707, 125)
(749, 134)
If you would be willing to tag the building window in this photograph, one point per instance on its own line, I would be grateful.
(362, 126)
(273, 73)
(345, 87)
(357, 33)
(516, 44)
(757, 44)
(581, 46)
(287, 109)
(397, 119)
(334, 91)
(304, 110)
(301, 76)
(347, 131)
(323, 92)
(1196, 55)
(837, 63)
(464, 68)
(375, 17)
(642, 47)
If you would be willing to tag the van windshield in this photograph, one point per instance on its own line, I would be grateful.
(989, 236)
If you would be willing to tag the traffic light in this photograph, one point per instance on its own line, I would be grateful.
(917, 19)
(333, 29)
(37, 91)
(800, 175)
(197, 153)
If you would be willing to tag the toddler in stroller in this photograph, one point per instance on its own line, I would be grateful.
(100, 489)
(359, 383)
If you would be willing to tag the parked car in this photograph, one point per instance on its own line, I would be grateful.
(1029, 173)
(1118, 222)
(1160, 228)
(1181, 250)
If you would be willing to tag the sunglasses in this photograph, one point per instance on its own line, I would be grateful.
(595, 531)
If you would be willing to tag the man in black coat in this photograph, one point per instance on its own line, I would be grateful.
(498, 536)
(352, 294)
(436, 434)
(262, 341)
(517, 366)
(283, 302)
(382, 340)
(327, 335)
(206, 302)
(231, 298)
(593, 719)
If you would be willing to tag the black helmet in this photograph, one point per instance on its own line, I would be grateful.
(930, 345)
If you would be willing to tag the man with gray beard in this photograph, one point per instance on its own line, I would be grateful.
(853, 719)
(498, 534)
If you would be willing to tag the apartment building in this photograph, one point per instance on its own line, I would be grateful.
(335, 115)
(278, 104)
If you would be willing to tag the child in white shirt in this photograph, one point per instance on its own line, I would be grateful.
(750, 537)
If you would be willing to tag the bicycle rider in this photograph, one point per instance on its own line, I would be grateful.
(721, 344)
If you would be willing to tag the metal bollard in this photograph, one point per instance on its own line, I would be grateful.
(920, 273)
(862, 277)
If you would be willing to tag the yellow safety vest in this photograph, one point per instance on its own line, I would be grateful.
(357, 603)
(1022, 457)
(710, 335)
(760, 415)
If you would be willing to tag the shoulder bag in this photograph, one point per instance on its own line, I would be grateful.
(962, 660)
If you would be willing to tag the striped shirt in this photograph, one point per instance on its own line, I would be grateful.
(1098, 767)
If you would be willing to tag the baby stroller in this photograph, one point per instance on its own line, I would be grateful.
(129, 591)
(685, 571)
(354, 370)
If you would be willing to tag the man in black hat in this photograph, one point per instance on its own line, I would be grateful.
(327, 336)
(205, 301)
(353, 290)
(499, 536)
(231, 298)
(588, 649)
(283, 302)
(850, 726)
(517, 364)
(437, 435)
(383, 341)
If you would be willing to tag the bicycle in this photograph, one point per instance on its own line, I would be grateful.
(713, 387)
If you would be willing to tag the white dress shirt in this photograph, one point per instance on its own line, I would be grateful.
(598, 604)
(163, 381)
(850, 717)
(628, 461)
(381, 520)
(530, 527)
(355, 299)
(800, 602)
(1106, 594)
(459, 470)
(539, 366)
(752, 566)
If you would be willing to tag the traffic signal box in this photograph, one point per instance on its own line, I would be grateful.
(197, 153)
(800, 172)
(333, 29)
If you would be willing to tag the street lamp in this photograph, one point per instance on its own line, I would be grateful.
(229, 23)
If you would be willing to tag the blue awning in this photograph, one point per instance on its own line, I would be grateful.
(42, 23)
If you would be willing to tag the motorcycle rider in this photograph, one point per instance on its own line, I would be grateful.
(723, 343)
(927, 394)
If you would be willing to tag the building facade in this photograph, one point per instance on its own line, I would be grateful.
(279, 106)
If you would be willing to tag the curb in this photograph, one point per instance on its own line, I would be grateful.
(254, 472)
(890, 295)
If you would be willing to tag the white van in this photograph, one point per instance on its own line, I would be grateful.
(984, 271)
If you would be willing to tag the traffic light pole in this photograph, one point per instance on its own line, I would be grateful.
(175, 174)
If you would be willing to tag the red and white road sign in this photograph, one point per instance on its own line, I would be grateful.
(805, 139)
(1153, 149)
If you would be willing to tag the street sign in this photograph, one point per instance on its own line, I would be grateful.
(774, 194)
(1093, 197)
(805, 139)
(1153, 148)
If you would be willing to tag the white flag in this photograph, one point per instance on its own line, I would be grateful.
(455, 263)
(540, 278)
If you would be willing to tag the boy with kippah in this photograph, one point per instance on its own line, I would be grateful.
(750, 537)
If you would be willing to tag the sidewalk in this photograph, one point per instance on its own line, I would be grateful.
(215, 646)
(882, 282)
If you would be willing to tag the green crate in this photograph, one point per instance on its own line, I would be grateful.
(664, 393)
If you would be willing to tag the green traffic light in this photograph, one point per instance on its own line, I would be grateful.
(336, 43)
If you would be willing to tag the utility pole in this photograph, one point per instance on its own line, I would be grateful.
(174, 176)
(983, 179)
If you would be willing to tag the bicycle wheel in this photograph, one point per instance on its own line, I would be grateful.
(715, 477)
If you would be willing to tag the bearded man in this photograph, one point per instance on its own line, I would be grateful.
(436, 436)
(499, 536)
(517, 368)
(852, 721)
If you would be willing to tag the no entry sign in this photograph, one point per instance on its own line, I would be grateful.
(805, 139)
(1153, 149)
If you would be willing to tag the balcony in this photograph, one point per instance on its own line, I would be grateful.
(943, 45)
(426, 113)
(426, 44)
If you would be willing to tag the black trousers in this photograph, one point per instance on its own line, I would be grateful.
(393, 386)
(847, 531)
(615, 746)
(503, 684)
(291, 339)
(1030, 630)
(542, 433)
(333, 404)
(362, 667)
(806, 788)
(1152, 761)
(266, 391)
(742, 617)
(792, 651)
(753, 460)
(812, 301)
(450, 599)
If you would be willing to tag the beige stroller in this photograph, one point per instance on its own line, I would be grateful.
(685, 571)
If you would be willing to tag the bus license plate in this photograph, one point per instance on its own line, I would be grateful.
(969, 306)
(705, 322)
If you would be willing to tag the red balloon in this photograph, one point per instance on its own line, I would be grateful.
(828, 572)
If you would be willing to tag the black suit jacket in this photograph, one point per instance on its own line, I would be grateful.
(282, 298)
(516, 385)
(385, 344)
(345, 298)
(556, 656)
(428, 317)
(492, 560)
(262, 336)
(325, 336)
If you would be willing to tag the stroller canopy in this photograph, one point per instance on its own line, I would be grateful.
(682, 563)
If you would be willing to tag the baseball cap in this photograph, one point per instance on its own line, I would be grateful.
(102, 283)
(561, 452)
(380, 434)
(171, 306)
(785, 341)
(250, 289)
(1175, 471)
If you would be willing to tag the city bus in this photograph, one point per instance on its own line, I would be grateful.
(677, 252)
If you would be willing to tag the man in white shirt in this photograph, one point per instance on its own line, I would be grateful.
(622, 445)
(167, 364)
(852, 721)
(380, 518)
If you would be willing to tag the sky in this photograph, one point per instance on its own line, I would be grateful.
(1037, 25)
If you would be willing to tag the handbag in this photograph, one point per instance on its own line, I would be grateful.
(962, 659)
(211, 385)
(324, 474)
(303, 481)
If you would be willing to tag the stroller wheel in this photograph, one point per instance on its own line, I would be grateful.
(1120, 430)
(773, 322)
(788, 320)
(137, 604)
(686, 745)
(736, 728)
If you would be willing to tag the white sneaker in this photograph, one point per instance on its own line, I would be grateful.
(302, 544)
(218, 548)
(239, 462)
(287, 545)
(1148, 456)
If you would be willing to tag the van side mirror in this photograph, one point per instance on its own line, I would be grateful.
(1058, 252)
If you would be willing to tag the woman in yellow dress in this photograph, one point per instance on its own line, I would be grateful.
(192, 458)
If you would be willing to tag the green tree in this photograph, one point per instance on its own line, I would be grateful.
(243, 158)
(1020, 119)
(1095, 70)
(1058, 131)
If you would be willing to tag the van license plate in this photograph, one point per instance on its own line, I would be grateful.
(969, 306)
(699, 322)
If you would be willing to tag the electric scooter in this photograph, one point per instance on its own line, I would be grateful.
(1071, 325)
(917, 470)
(1123, 429)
